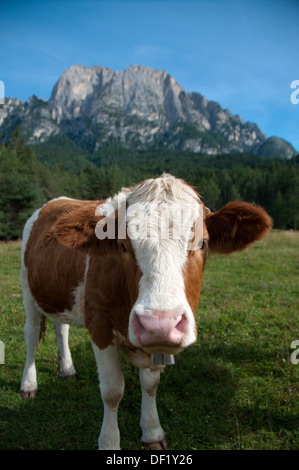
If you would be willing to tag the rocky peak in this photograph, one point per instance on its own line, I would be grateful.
(75, 88)
(136, 107)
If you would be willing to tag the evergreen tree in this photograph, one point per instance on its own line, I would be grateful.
(17, 193)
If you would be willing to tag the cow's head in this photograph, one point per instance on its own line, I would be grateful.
(161, 231)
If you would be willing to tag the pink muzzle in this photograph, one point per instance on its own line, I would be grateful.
(165, 328)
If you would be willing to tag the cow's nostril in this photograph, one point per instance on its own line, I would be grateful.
(138, 326)
(182, 324)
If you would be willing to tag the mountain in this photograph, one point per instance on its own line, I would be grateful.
(139, 107)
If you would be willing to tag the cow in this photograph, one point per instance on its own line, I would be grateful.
(108, 266)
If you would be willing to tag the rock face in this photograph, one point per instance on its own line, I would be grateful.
(138, 107)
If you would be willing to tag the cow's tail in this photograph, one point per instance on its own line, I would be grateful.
(42, 331)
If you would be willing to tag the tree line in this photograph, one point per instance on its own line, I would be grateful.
(26, 182)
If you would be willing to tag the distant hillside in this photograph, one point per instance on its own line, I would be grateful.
(27, 182)
(138, 108)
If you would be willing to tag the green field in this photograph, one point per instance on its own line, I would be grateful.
(235, 389)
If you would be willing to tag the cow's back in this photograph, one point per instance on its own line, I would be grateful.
(53, 271)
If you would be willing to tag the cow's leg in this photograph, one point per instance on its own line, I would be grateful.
(31, 334)
(66, 367)
(112, 386)
(152, 433)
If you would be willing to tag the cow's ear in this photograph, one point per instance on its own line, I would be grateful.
(82, 229)
(236, 226)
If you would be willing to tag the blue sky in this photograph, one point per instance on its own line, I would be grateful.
(243, 54)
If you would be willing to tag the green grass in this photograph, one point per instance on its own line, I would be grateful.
(235, 389)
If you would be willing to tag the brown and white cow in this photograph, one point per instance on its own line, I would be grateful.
(132, 288)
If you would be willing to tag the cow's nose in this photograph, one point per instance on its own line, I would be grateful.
(160, 327)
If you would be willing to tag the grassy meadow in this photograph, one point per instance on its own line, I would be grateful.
(235, 389)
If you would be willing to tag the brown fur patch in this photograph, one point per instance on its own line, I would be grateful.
(107, 300)
(236, 226)
(193, 275)
(54, 271)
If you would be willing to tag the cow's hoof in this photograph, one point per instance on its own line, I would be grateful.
(28, 395)
(160, 445)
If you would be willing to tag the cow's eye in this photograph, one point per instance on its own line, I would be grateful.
(202, 245)
(123, 248)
